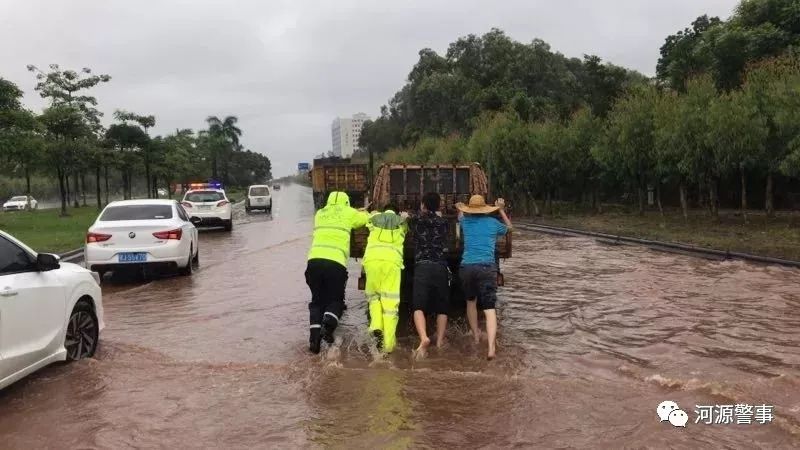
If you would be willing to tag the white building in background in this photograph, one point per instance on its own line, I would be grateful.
(345, 134)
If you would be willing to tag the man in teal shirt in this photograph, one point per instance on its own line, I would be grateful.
(478, 273)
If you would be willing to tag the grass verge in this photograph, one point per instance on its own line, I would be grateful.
(776, 237)
(236, 194)
(46, 231)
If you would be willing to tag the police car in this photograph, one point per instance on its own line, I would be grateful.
(208, 205)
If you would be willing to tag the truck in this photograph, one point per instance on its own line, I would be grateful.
(404, 185)
(338, 174)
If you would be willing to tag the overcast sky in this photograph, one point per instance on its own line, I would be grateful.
(287, 68)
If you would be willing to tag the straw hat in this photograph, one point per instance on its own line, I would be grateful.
(477, 205)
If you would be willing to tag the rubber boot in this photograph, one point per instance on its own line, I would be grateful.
(329, 325)
(375, 315)
(378, 335)
(315, 341)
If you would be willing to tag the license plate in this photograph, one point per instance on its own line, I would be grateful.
(132, 257)
(259, 200)
(205, 207)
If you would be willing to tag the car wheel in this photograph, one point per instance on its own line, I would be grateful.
(187, 271)
(196, 259)
(229, 225)
(83, 332)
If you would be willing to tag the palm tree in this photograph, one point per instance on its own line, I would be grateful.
(228, 131)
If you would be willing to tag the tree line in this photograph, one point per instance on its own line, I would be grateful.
(719, 119)
(68, 143)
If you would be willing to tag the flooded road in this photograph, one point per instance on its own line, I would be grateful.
(592, 339)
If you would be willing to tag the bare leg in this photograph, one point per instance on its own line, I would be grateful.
(441, 327)
(424, 341)
(491, 330)
(472, 318)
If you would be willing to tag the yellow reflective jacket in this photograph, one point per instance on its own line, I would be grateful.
(332, 225)
(387, 233)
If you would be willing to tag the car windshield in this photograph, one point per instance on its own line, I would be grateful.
(259, 191)
(19, 198)
(204, 196)
(137, 212)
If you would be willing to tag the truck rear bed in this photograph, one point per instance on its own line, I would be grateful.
(329, 175)
(404, 186)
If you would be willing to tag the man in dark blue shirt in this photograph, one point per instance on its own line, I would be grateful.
(431, 275)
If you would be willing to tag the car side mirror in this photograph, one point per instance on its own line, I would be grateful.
(46, 262)
(195, 220)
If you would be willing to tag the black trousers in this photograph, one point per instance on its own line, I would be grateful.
(431, 291)
(327, 281)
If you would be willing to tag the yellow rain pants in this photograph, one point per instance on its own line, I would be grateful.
(383, 296)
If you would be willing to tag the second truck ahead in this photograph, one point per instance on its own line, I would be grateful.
(338, 174)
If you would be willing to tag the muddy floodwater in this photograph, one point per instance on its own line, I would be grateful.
(592, 338)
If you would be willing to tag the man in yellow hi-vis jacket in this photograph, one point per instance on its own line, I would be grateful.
(383, 264)
(326, 273)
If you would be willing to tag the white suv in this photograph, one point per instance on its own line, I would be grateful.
(258, 197)
(49, 311)
(209, 207)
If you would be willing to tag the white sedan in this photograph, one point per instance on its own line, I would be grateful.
(20, 203)
(49, 311)
(209, 207)
(142, 233)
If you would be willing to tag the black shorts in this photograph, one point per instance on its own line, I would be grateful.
(431, 291)
(480, 282)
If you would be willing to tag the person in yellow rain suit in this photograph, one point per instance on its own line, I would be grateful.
(383, 264)
(326, 272)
